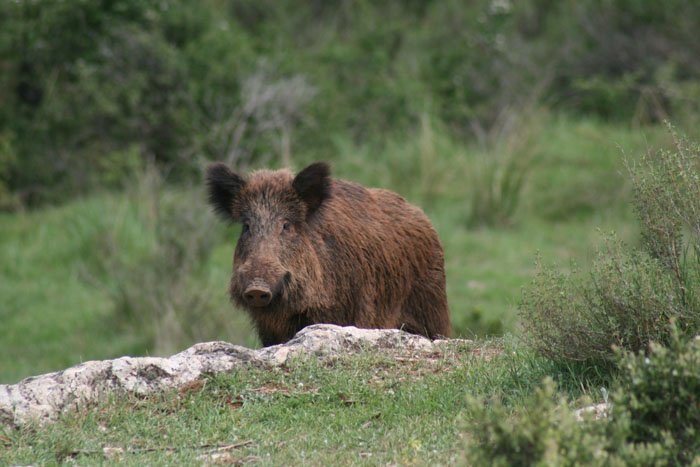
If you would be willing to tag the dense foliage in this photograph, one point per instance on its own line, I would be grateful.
(88, 87)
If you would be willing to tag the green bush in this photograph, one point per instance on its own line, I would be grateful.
(542, 431)
(653, 420)
(659, 398)
(632, 295)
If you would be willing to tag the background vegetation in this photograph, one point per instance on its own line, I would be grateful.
(506, 121)
(91, 88)
(530, 132)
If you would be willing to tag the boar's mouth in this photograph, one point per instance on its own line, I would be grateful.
(259, 294)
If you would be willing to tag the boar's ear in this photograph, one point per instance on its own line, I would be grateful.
(313, 185)
(223, 185)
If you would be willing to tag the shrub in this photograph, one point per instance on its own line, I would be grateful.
(654, 418)
(542, 431)
(659, 398)
(631, 296)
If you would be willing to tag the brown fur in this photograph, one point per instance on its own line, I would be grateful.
(331, 251)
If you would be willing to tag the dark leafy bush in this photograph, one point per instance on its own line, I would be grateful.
(631, 296)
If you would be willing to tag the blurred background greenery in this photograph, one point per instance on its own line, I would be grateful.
(508, 122)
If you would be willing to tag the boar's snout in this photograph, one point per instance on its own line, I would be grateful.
(258, 294)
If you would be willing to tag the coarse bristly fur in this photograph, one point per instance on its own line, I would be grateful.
(330, 251)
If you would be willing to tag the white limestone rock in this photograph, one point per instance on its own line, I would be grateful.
(44, 397)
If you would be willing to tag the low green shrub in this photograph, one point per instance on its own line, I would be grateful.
(659, 397)
(631, 295)
(654, 419)
(542, 431)
(627, 302)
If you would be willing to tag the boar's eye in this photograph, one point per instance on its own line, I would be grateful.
(245, 228)
(286, 227)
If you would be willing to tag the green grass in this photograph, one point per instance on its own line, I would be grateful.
(370, 408)
(51, 316)
(57, 307)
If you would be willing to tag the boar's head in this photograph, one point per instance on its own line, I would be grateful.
(274, 266)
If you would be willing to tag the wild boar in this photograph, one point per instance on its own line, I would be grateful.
(314, 249)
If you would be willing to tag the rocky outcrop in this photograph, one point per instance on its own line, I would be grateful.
(44, 397)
